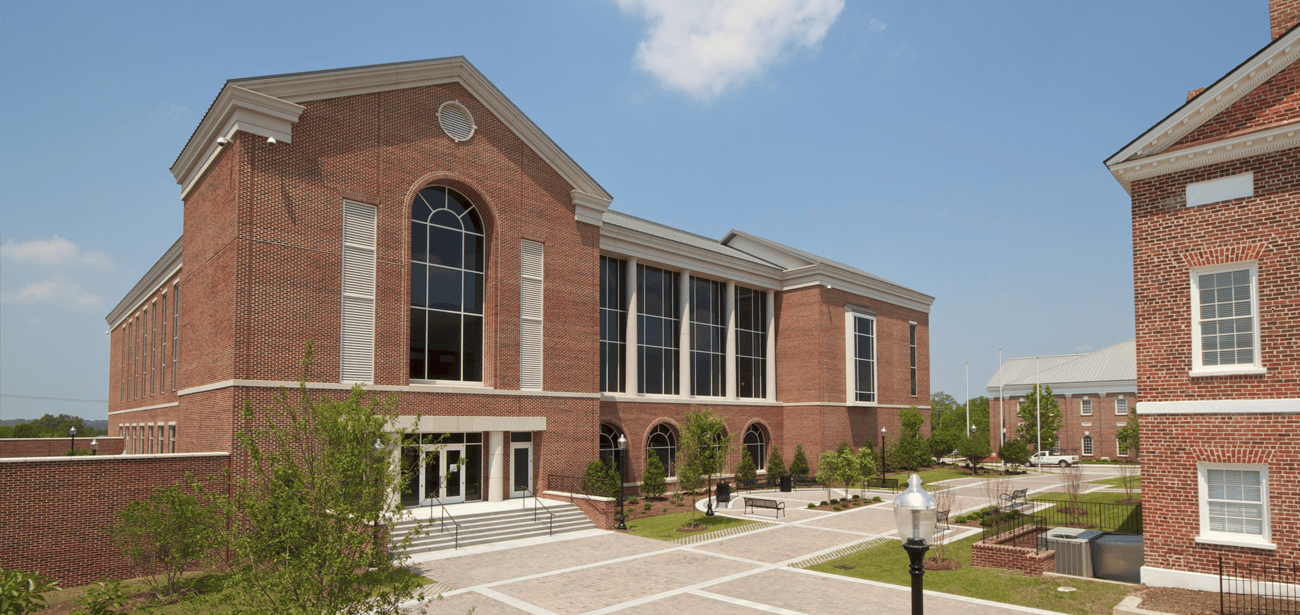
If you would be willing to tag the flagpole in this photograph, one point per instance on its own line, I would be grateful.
(1038, 403)
(1002, 400)
(967, 397)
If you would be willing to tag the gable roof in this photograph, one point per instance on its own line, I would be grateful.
(269, 106)
(1145, 156)
(1108, 367)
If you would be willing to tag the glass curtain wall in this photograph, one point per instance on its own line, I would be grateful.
(613, 325)
(447, 265)
(708, 337)
(751, 343)
(657, 330)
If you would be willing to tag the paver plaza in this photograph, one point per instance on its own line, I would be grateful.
(597, 572)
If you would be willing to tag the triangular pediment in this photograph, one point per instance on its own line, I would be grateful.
(1241, 114)
(270, 106)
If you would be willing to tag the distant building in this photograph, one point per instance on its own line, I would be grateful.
(1095, 391)
(1216, 272)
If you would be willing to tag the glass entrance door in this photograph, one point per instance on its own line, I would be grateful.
(521, 469)
(453, 489)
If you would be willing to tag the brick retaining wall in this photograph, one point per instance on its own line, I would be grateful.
(995, 553)
(54, 447)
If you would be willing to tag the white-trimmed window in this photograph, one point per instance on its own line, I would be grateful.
(1120, 449)
(1121, 407)
(1085, 407)
(751, 343)
(1087, 446)
(756, 446)
(658, 330)
(1234, 504)
(1225, 323)
(860, 350)
(171, 432)
(911, 328)
(708, 314)
(663, 442)
(176, 327)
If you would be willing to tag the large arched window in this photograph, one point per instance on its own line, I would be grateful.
(663, 443)
(609, 449)
(447, 264)
(756, 446)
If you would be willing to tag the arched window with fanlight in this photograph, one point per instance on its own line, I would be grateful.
(609, 449)
(663, 442)
(756, 446)
(447, 266)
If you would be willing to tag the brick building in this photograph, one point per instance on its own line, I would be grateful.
(1094, 390)
(1215, 188)
(435, 245)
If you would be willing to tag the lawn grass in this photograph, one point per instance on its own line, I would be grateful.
(203, 598)
(1136, 482)
(888, 563)
(935, 475)
(1100, 497)
(664, 527)
(1107, 519)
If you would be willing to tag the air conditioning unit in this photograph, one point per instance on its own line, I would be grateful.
(1073, 548)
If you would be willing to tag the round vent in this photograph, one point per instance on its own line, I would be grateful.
(456, 121)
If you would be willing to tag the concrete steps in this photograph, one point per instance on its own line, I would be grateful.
(487, 527)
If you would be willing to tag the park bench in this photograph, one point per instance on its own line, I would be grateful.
(942, 520)
(883, 483)
(806, 481)
(1015, 498)
(773, 505)
(752, 483)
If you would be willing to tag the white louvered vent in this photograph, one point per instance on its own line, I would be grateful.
(530, 315)
(456, 121)
(357, 334)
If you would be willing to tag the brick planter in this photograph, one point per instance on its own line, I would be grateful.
(994, 552)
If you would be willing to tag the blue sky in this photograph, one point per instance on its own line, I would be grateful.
(953, 147)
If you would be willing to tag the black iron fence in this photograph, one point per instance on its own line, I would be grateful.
(1019, 527)
(1255, 589)
(583, 485)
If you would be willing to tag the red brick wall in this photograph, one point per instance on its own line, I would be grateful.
(1169, 238)
(58, 528)
(1273, 102)
(1101, 424)
(123, 393)
(53, 447)
(1283, 15)
(993, 553)
(1172, 445)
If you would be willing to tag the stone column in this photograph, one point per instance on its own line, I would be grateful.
(496, 487)
(684, 338)
(771, 345)
(729, 368)
(629, 384)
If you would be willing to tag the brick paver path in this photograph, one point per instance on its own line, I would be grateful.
(744, 574)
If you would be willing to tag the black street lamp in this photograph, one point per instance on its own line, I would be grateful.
(708, 481)
(974, 465)
(882, 452)
(72, 433)
(622, 461)
(915, 513)
(94, 446)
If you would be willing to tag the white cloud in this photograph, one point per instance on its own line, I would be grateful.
(56, 252)
(69, 294)
(702, 47)
(876, 25)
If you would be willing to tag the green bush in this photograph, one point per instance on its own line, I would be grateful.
(648, 506)
(167, 533)
(20, 592)
(799, 467)
(835, 501)
(824, 503)
(775, 462)
(876, 499)
(960, 519)
(654, 481)
(856, 497)
(633, 500)
(601, 479)
(103, 598)
(747, 470)
(811, 505)
(836, 508)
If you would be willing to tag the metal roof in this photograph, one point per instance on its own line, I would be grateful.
(661, 231)
(1118, 362)
(816, 259)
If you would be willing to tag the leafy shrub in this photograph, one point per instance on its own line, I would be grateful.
(747, 470)
(654, 481)
(836, 508)
(835, 501)
(856, 497)
(799, 467)
(167, 533)
(775, 462)
(677, 498)
(103, 598)
(811, 505)
(824, 503)
(648, 506)
(633, 500)
(21, 592)
(876, 499)
(960, 519)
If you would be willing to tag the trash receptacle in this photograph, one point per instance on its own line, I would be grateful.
(787, 483)
(724, 492)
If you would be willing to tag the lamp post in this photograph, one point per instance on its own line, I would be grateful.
(915, 512)
(882, 453)
(708, 480)
(94, 446)
(72, 433)
(974, 465)
(622, 458)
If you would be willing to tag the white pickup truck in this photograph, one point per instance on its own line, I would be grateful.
(1046, 458)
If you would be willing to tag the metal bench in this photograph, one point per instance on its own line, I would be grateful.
(806, 481)
(1015, 498)
(883, 483)
(773, 505)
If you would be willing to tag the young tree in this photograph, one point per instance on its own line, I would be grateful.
(1128, 434)
(705, 446)
(746, 471)
(653, 480)
(1014, 453)
(866, 461)
(799, 466)
(167, 533)
(316, 475)
(911, 451)
(943, 443)
(1029, 411)
(838, 467)
(976, 449)
(775, 463)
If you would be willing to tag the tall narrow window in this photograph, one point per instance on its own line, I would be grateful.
(531, 273)
(613, 325)
(663, 443)
(176, 328)
(149, 443)
(121, 389)
(357, 333)
(153, 348)
(912, 336)
(1087, 445)
(172, 435)
(135, 346)
(1085, 407)
(144, 353)
(162, 354)
(1225, 329)
(863, 350)
(658, 335)
(1121, 448)
(756, 446)
(1121, 407)
(447, 265)
(751, 343)
(708, 337)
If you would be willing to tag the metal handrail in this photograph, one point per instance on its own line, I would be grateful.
(445, 515)
(537, 502)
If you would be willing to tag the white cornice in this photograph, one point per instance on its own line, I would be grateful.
(234, 110)
(827, 275)
(1222, 406)
(624, 242)
(1099, 387)
(588, 208)
(1253, 144)
(161, 272)
(304, 87)
(1232, 87)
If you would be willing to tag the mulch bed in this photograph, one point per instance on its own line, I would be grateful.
(831, 507)
(658, 506)
(692, 528)
(1179, 601)
(941, 564)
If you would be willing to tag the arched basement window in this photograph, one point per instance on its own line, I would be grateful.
(447, 265)
(756, 446)
(663, 443)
